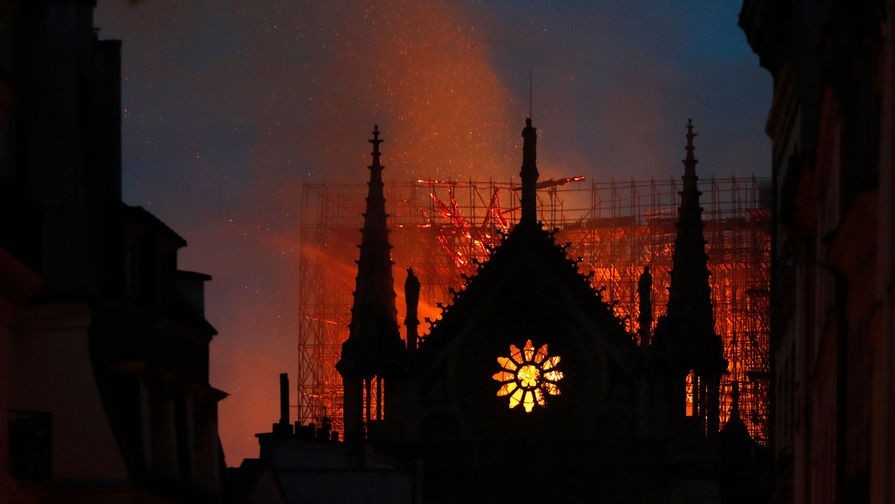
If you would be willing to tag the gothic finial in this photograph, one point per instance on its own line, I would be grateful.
(412, 298)
(690, 161)
(376, 141)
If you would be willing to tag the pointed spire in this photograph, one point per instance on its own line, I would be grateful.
(687, 332)
(529, 174)
(690, 211)
(374, 329)
(689, 296)
(374, 348)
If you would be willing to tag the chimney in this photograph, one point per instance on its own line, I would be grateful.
(283, 427)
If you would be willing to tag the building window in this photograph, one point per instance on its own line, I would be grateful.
(691, 392)
(374, 398)
(527, 376)
(30, 444)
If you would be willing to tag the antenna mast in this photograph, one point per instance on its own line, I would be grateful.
(529, 93)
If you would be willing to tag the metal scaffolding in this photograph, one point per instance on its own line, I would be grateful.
(440, 228)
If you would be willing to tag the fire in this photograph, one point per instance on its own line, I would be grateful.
(614, 237)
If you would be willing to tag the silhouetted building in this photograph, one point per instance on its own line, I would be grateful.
(308, 464)
(832, 122)
(529, 387)
(104, 393)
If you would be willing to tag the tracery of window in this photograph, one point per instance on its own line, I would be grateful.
(528, 376)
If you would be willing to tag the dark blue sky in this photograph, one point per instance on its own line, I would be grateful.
(228, 106)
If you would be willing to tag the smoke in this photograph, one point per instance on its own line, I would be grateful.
(231, 106)
(420, 70)
(264, 100)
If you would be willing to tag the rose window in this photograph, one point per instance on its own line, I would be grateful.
(528, 376)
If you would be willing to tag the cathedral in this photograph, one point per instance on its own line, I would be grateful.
(528, 386)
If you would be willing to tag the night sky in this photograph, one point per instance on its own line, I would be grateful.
(229, 106)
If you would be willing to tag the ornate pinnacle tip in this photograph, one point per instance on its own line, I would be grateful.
(690, 161)
(376, 141)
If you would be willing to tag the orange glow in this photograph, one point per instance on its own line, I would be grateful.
(506, 364)
(618, 229)
(691, 394)
(526, 375)
(422, 70)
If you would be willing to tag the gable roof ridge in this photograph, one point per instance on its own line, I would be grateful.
(518, 236)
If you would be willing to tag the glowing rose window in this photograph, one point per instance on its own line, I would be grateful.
(528, 376)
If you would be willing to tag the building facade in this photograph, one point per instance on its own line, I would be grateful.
(832, 122)
(104, 392)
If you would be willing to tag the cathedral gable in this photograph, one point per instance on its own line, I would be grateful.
(527, 346)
